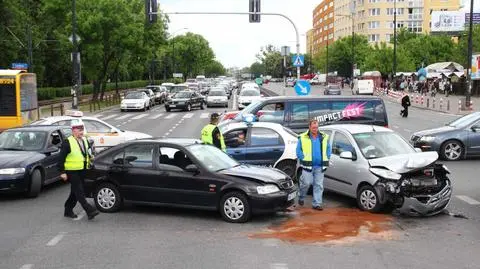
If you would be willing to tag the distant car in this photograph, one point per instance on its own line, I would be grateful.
(176, 88)
(186, 173)
(138, 100)
(291, 82)
(160, 93)
(150, 94)
(29, 157)
(247, 96)
(217, 97)
(332, 89)
(456, 140)
(185, 100)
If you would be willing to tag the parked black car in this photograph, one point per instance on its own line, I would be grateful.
(185, 100)
(29, 157)
(186, 173)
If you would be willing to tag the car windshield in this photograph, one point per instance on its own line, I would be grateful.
(465, 120)
(154, 89)
(134, 95)
(175, 89)
(250, 109)
(250, 93)
(334, 87)
(182, 95)
(22, 140)
(217, 93)
(382, 144)
(212, 158)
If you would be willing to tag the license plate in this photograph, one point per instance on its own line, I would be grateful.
(173, 105)
(292, 196)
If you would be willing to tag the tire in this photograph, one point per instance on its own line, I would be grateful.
(288, 167)
(367, 199)
(122, 110)
(452, 150)
(232, 200)
(201, 106)
(144, 108)
(188, 107)
(36, 181)
(107, 198)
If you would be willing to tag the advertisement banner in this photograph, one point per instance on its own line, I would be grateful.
(476, 67)
(447, 21)
(476, 18)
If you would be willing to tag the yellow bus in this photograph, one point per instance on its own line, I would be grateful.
(18, 98)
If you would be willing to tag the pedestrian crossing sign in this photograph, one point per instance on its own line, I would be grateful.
(298, 60)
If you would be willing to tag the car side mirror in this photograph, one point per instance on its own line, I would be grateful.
(192, 169)
(347, 155)
(418, 149)
(476, 128)
(113, 131)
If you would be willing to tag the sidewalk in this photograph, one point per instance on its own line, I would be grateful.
(452, 104)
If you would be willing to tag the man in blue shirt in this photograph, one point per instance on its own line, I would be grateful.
(313, 152)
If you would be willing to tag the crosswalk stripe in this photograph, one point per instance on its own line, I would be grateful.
(188, 116)
(156, 116)
(110, 116)
(204, 116)
(468, 200)
(98, 116)
(170, 116)
(139, 116)
(124, 116)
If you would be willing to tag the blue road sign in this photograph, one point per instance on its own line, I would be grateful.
(21, 66)
(302, 87)
(298, 60)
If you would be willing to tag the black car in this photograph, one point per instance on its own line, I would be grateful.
(332, 89)
(185, 100)
(29, 157)
(186, 173)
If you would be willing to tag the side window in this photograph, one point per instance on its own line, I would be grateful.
(318, 109)
(341, 144)
(96, 127)
(117, 158)
(55, 139)
(63, 123)
(300, 112)
(172, 159)
(140, 156)
(235, 138)
(354, 110)
(265, 137)
(272, 112)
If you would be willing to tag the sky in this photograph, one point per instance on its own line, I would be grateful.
(233, 39)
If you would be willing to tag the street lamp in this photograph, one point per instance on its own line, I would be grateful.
(469, 58)
(394, 40)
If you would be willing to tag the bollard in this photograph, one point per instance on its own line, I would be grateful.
(448, 105)
(90, 106)
(51, 110)
(38, 113)
(470, 107)
(62, 109)
(416, 98)
(433, 103)
(422, 100)
(441, 103)
(459, 105)
(428, 103)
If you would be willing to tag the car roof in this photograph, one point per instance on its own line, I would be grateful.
(60, 118)
(45, 128)
(355, 128)
(179, 141)
(320, 97)
(256, 124)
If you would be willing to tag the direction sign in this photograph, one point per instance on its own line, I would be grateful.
(302, 87)
(20, 66)
(178, 75)
(71, 38)
(298, 60)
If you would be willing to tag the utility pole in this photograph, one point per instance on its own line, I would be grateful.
(30, 48)
(75, 59)
(326, 66)
(394, 40)
(469, 58)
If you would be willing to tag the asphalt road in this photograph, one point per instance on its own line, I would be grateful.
(34, 233)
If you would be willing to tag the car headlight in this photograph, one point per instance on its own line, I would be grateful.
(387, 174)
(12, 171)
(267, 189)
(427, 138)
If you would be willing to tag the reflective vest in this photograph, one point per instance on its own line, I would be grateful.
(307, 150)
(207, 136)
(75, 160)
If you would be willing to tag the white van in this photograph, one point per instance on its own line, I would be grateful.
(364, 86)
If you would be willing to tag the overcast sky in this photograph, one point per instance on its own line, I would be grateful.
(234, 40)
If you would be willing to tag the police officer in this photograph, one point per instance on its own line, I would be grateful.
(75, 159)
(211, 134)
(313, 152)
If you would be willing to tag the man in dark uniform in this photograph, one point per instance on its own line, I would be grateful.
(75, 159)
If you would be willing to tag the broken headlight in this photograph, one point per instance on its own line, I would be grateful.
(384, 173)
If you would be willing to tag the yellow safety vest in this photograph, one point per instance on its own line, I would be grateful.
(307, 150)
(207, 136)
(75, 160)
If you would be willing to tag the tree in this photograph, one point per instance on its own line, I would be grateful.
(214, 68)
(272, 61)
(460, 52)
(340, 54)
(257, 69)
(380, 59)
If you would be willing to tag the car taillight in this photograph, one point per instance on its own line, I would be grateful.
(386, 125)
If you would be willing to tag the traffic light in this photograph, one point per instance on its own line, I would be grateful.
(254, 6)
(151, 6)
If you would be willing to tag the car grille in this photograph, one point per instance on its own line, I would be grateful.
(286, 185)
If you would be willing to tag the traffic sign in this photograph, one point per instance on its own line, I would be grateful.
(178, 75)
(298, 60)
(20, 66)
(302, 87)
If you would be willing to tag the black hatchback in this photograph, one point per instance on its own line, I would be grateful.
(186, 173)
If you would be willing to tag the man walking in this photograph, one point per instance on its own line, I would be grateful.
(75, 159)
(211, 134)
(313, 152)
(405, 105)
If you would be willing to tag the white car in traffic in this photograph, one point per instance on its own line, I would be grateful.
(135, 101)
(247, 96)
(217, 97)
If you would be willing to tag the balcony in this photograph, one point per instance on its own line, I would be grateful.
(415, 17)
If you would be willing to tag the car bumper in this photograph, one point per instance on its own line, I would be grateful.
(131, 107)
(268, 203)
(427, 205)
(176, 106)
(222, 103)
(13, 183)
(425, 146)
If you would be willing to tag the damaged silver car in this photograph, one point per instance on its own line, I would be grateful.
(380, 169)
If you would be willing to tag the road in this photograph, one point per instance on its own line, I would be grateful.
(34, 233)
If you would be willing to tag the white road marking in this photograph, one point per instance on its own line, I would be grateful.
(166, 134)
(80, 216)
(188, 116)
(407, 130)
(395, 126)
(27, 266)
(140, 116)
(125, 122)
(468, 200)
(124, 116)
(110, 116)
(98, 116)
(156, 116)
(278, 266)
(171, 116)
(171, 130)
(204, 116)
(56, 239)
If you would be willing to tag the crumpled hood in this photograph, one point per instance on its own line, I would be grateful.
(434, 131)
(15, 159)
(262, 174)
(404, 163)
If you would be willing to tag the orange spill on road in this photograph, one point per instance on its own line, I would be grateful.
(331, 224)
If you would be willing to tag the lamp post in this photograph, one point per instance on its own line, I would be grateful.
(75, 58)
(469, 58)
(394, 40)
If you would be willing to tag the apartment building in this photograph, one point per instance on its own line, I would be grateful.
(310, 41)
(374, 18)
(323, 25)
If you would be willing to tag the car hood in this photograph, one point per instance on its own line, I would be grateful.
(256, 173)
(129, 135)
(404, 163)
(434, 131)
(132, 101)
(15, 159)
(180, 99)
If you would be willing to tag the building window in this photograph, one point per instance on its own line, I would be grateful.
(415, 26)
(331, 4)
(321, 20)
(388, 37)
(324, 8)
(400, 24)
(374, 38)
(373, 24)
(374, 1)
(330, 15)
(390, 11)
(374, 12)
(325, 27)
(330, 36)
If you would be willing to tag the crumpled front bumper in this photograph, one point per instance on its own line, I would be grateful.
(427, 205)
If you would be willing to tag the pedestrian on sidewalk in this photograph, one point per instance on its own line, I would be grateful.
(405, 104)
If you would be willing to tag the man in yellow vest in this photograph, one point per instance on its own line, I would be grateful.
(75, 159)
(211, 134)
(313, 152)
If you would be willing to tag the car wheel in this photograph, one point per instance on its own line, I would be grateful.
(144, 108)
(234, 207)
(288, 167)
(122, 110)
(35, 184)
(107, 198)
(201, 106)
(452, 150)
(368, 200)
(189, 107)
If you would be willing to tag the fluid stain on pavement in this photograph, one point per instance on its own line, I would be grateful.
(337, 225)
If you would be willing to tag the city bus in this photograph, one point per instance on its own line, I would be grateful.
(18, 98)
